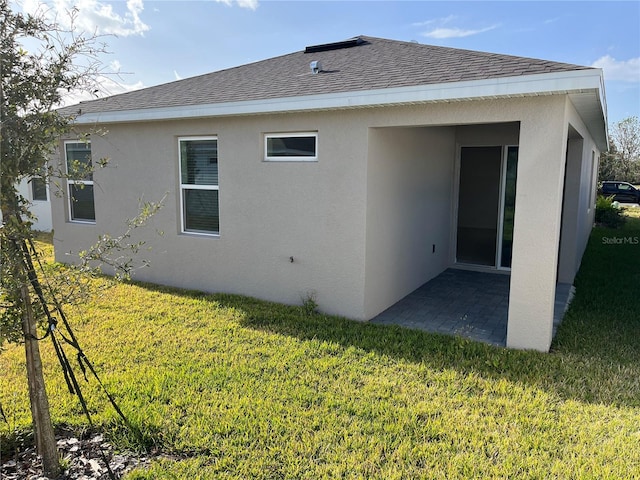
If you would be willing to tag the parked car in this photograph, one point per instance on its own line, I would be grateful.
(622, 192)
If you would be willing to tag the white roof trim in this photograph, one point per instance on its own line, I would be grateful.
(575, 81)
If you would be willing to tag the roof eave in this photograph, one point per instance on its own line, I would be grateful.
(591, 105)
(575, 82)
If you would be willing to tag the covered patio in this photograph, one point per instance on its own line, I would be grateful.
(469, 304)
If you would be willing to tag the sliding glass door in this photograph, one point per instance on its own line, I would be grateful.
(486, 206)
(509, 176)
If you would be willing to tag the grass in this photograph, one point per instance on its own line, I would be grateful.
(240, 388)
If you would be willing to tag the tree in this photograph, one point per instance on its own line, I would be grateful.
(622, 162)
(39, 62)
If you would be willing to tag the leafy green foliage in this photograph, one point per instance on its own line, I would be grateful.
(240, 388)
(118, 252)
(38, 64)
(309, 304)
(32, 83)
(608, 213)
(622, 161)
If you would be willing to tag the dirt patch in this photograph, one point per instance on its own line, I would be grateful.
(82, 459)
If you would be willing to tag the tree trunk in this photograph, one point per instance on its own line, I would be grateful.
(43, 429)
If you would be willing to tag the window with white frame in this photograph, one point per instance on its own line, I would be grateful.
(291, 147)
(80, 181)
(199, 184)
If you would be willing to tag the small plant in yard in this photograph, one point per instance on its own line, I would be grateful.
(309, 304)
(609, 213)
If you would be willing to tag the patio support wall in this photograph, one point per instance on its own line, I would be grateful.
(568, 261)
(409, 175)
(541, 164)
(586, 195)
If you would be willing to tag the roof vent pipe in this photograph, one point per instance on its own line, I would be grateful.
(316, 67)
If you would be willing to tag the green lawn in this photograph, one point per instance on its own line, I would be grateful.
(240, 388)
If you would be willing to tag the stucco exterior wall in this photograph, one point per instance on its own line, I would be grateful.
(571, 208)
(269, 211)
(579, 196)
(409, 192)
(340, 218)
(588, 184)
(541, 166)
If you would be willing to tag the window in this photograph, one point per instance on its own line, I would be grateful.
(39, 187)
(199, 184)
(291, 147)
(80, 181)
(609, 188)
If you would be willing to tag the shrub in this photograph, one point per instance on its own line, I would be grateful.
(309, 304)
(609, 213)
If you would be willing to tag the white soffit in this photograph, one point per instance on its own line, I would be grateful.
(578, 83)
(592, 109)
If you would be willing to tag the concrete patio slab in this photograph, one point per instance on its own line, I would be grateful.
(469, 304)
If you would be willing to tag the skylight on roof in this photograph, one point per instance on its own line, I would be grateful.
(352, 42)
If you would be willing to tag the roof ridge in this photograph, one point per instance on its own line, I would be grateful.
(475, 52)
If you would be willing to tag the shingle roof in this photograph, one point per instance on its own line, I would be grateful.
(372, 63)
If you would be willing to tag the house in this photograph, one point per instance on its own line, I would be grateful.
(36, 191)
(354, 171)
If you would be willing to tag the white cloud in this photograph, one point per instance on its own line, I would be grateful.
(30, 6)
(439, 21)
(625, 70)
(93, 16)
(250, 4)
(441, 28)
(441, 33)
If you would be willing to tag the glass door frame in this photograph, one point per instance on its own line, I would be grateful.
(501, 209)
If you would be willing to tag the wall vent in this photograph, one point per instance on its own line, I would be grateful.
(316, 67)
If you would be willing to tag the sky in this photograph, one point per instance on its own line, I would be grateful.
(154, 42)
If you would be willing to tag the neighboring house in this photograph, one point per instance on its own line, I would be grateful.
(356, 170)
(36, 191)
